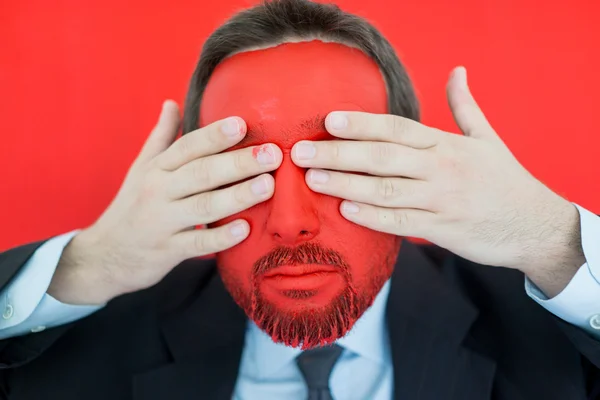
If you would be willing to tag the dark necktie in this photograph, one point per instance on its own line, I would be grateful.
(316, 366)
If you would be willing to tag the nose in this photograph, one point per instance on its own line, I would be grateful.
(293, 217)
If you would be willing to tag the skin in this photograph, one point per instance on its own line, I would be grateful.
(148, 228)
(297, 288)
(467, 194)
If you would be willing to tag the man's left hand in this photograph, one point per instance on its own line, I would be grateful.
(466, 193)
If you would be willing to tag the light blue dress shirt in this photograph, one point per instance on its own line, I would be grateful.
(268, 370)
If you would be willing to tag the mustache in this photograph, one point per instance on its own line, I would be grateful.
(306, 253)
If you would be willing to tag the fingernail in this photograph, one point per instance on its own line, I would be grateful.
(260, 186)
(230, 127)
(305, 150)
(349, 207)
(264, 154)
(318, 176)
(238, 229)
(337, 121)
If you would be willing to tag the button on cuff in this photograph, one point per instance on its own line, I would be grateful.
(595, 322)
(9, 311)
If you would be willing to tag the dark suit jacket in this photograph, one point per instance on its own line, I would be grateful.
(458, 331)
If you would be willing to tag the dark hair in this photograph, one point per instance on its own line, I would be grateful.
(275, 21)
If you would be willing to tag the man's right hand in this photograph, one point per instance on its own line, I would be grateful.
(170, 189)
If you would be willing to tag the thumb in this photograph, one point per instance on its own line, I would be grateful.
(467, 114)
(164, 132)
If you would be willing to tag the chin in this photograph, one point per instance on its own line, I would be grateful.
(303, 321)
(306, 318)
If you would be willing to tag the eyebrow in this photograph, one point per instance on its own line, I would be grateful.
(311, 127)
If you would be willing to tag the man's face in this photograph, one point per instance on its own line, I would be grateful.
(305, 274)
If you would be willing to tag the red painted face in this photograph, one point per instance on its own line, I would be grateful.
(305, 274)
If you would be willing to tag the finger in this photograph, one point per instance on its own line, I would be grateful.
(211, 172)
(211, 139)
(164, 132)
(396, 221)
(200, 242)
(467, 114)
(374, 190)
(209, 207)
(381, 127)
(375, 158)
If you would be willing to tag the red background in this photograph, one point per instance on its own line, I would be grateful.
(81, 83)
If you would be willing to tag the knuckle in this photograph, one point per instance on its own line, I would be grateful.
(345, 181)
(186, 148)
(221, 239)
(334, 150)
(200, 172)
(388, 189)
(202, 205)
(163, 161)
(400, 219)
(381, 153)
(240, 161)
(242, 194)
(212, 135)
(202, 243)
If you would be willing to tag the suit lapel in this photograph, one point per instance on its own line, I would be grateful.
(429, 321)
(205, 340)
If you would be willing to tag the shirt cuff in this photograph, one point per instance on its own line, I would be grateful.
(579, 302)
(590, 240)
(49, 313)
(24, 304)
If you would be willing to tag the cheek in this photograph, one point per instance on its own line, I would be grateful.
(235, 263)
(235, 267)
(363, 248)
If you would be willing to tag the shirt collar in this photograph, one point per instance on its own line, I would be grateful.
(368, 338)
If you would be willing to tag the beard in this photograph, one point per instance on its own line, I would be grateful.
(311, 327)
(308, 326)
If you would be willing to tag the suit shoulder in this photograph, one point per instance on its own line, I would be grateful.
(498, 293)
(185, 280)
(495, 291)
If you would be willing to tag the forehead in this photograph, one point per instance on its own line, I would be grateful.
(284, 92)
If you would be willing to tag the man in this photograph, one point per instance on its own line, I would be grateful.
(309, 168)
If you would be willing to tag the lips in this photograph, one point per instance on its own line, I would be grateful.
(284, 283)
(299, 270)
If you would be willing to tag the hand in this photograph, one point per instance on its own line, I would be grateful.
(466, 193)
(170, 188)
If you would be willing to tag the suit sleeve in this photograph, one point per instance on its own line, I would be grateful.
(27, 307)
(577, 307)
(25, 273)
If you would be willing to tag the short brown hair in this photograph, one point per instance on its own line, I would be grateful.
(274, 21)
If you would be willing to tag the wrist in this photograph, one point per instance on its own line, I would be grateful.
(82, 276)
(556, 259)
